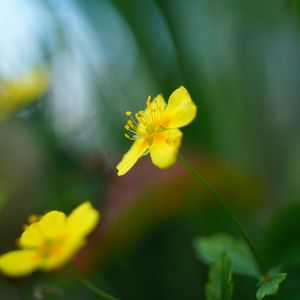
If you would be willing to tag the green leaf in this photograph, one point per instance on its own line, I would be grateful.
(211, 248)
(269, 285)
(219, 286)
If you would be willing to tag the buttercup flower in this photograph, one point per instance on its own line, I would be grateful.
(155, 130)
(50, 242)
(21, 91)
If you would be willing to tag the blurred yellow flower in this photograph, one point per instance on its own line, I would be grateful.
(21, 91)
(156, 130)
(50, 242)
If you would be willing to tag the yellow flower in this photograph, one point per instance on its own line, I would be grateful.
(21, 91)
(155, 130)
(50, 242)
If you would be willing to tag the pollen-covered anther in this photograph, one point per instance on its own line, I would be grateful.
(148, 102)
(127, 127)
(156, 130)
(129, 137)
(128, 113)
(142, 117)
(32, 218)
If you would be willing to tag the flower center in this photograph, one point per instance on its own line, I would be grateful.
(50, 247)
(145, 124)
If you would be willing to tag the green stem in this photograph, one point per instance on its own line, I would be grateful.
(92, 287)
(195, 173)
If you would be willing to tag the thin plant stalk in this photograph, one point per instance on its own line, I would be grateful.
(228, 210)
(92, 287)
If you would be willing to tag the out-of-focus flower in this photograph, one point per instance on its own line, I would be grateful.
(156, 130)
(50, 242)
(21, 91)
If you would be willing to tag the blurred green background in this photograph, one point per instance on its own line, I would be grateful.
(61, 135)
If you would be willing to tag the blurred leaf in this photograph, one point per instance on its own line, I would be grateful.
(296, 7)
(3, 195)
(281, 234)
(147, 197)
(211, 248)
(270, 285)
(220, 284)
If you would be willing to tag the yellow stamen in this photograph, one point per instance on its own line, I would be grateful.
(144, 124)
(32, 219)
(129, 137)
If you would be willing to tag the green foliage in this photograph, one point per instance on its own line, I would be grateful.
(270, 285)
(226, 254)
(220, 285)
(278, 236)
(211, 248)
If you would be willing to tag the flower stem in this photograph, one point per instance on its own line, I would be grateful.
(233, 218)
(92, 287)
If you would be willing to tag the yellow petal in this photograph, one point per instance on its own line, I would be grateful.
(18, 263)
(52, 223)
(180, 110)
(164, 148)
(157, 103)
(31, 237)
(82, 219)
(130, 158)
(160, 102)
(63, 255)
(79, 223)
(49, 226)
